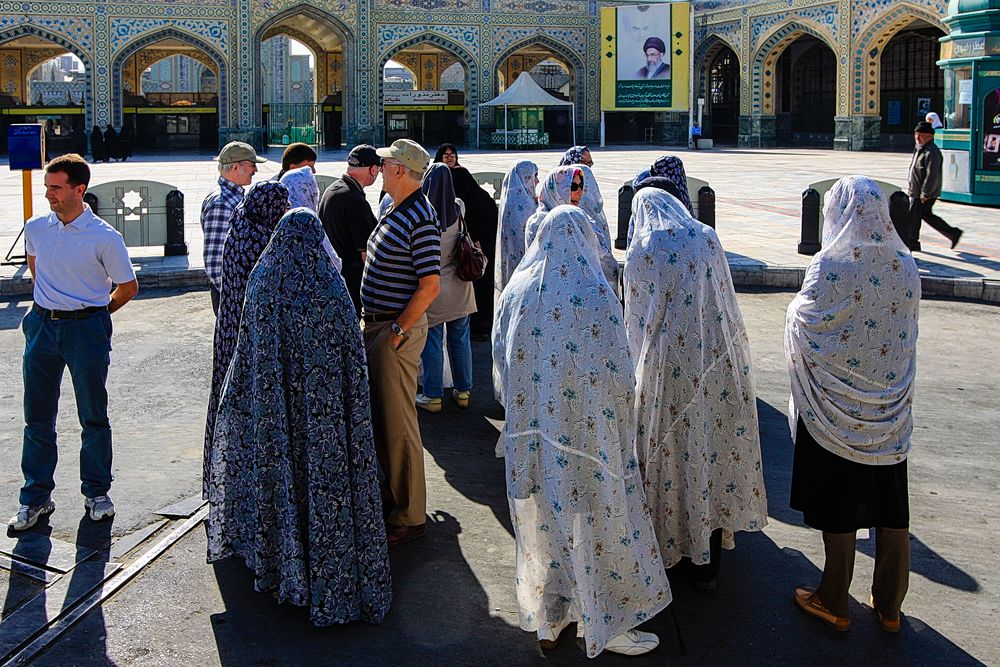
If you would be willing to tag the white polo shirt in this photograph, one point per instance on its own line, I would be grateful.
(76, 263)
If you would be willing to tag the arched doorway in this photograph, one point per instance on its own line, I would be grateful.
(165, 98)
(426, 93)
(722, 97)
(304, 76)
(42, 80)
(806, 85)
(911, 84)
(556, 70)
(173, 106)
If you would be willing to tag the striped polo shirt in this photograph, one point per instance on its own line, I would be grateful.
(404, 247)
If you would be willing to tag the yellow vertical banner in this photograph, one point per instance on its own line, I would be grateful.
(645, 57)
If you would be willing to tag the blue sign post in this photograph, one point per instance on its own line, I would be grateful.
(26, 152)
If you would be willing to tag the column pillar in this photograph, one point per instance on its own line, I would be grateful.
(758, 130)
(858, 133)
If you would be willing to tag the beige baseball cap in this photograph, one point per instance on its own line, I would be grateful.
(410, 153)
(237, 151)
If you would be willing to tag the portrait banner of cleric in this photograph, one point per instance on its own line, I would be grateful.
(647, 26)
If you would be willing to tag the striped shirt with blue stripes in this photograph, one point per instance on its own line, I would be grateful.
(404, 247)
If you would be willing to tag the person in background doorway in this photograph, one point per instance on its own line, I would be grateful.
(695, 134)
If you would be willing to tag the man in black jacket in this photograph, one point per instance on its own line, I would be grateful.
(924, 187)
(347, 217)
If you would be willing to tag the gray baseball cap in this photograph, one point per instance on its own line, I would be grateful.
(237, 151)
(410, 153)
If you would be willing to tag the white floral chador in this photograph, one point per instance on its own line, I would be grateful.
(556, 191)
(517, 202)
(585, 544)
(851, 332)
(697, 435)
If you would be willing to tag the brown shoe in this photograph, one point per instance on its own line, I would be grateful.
(397, 535)
(886, 624)
(810, 603)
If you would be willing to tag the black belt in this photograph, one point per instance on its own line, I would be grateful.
(80, 314)
(372, 318)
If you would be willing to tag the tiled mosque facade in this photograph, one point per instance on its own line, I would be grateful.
(353, 40)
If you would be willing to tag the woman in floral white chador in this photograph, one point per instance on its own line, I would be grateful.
(697, 435)
(586, 551)
(851, 347)
(576, 185)
(518, 201)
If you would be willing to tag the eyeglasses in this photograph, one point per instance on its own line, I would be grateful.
(573, 187)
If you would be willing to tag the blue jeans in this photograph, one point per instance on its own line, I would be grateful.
(459, 352)
(83, 346)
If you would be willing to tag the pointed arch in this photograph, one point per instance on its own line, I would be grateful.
(149, 39)
(766, 57)
(426, 37)
(271, 28)
(26, 30)
(870, 44)
(705, 53)
(563, 52)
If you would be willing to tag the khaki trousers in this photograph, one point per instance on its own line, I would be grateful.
(392, 374)
(892, 571)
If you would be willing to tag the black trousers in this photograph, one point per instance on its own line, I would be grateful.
(216, 298)
(923, 211)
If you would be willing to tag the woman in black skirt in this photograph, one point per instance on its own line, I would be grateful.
(850, 343)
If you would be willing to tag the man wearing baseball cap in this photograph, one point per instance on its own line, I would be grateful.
(237, 165)
(347, 217)
(924, 187)
(401, 279)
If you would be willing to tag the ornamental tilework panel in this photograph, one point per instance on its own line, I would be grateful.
(730, 32)
(430, 5)
(388, 35)
(864, 11)
(506, 37)
(124, 30)
(578, 7)
(345, 11)
(77, 29)
(822, 15)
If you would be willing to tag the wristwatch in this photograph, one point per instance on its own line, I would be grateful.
(398, 330)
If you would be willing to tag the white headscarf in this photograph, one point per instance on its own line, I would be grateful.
(585, 545)
(517, 202)
(556, 191)
(302, 188)
(697, 435)
(934, 120)
(851, 332)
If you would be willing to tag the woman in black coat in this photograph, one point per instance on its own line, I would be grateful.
(481, 217)
(97, 147)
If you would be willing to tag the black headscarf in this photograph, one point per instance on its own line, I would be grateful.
(437, 185)
(98, 149)
(440, 153)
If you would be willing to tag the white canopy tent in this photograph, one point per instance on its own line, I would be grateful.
(524, 92)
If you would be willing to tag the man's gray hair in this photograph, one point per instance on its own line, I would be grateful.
(226, 167)
(415, 175)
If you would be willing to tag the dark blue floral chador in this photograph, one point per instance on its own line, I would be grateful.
(294, 483)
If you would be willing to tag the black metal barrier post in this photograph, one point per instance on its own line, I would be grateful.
(625, 195)
(706, 206)
(899, 213)
(175, 225)
(809, 244)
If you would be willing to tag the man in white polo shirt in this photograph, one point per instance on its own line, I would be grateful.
(74, 258)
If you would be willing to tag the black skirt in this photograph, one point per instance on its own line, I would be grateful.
(836, 495)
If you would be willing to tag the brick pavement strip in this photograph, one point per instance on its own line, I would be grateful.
(757, 211)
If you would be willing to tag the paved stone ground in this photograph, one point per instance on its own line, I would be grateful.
(758, 207)
(454, 590)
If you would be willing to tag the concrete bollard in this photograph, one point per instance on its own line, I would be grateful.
(175, 225)
(706, 206)
(809, 243)
(625, 195)
(899, 213)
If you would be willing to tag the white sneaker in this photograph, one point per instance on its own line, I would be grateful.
(633, 642)
(27, 516)
(429, 404)
(99, 507)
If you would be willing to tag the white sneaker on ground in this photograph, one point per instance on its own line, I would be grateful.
(429, 404)
(27, 516)
(633, 642)
(99, 507)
